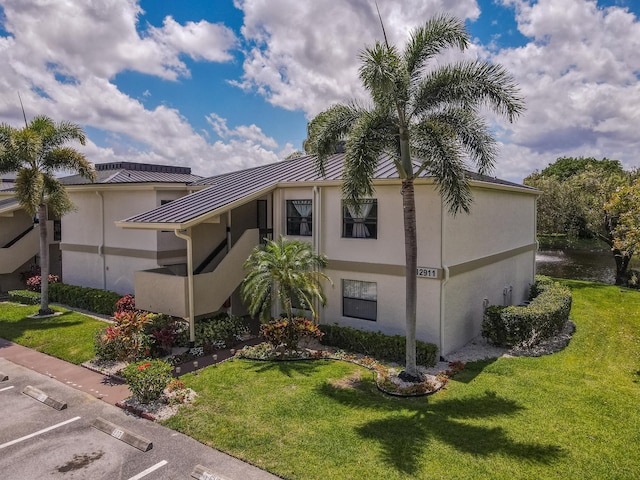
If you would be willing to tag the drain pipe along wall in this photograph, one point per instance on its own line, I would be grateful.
(187, 236)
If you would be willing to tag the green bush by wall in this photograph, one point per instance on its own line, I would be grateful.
(91, 299)
(377, 344)
(546, 314)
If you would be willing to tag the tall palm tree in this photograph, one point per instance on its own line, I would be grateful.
(426, 116)
(292, 269)
(36, 152)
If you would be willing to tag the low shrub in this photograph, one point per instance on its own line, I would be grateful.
(222, 331)
(166, 332)
(147, 379)
(25, 297)
(287, 333)
(91, 299)
(546, 314)
(34, 283)
(108, 344)
(126, 304)
(377, 344)
(126, 339)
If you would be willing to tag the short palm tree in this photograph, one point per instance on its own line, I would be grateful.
(36, 152)
(292, 269)
(427, 118)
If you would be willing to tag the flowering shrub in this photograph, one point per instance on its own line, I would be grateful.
(147, 379)
(34, 283)
(177, 392)
(126, 339)
(285, 333)
(126, 304)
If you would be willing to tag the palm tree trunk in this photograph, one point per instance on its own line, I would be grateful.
(411, 262)
(44, 261)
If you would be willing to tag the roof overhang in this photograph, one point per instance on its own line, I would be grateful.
(210, 217)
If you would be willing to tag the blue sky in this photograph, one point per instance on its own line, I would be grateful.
(221, 85)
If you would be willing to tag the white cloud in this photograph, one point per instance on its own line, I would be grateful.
(304, 55)
(578, 72)
(579, 75)
(251, 133)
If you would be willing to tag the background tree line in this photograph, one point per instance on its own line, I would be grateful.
(589, 198)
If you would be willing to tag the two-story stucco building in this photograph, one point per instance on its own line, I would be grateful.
(465, 261)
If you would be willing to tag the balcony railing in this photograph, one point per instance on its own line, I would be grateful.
(161, 291)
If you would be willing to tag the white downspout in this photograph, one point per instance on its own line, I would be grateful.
(192, 327)
(443, 282)
(317, 231)
(101, 246)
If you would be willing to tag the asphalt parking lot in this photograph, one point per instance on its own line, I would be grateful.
(90, 439)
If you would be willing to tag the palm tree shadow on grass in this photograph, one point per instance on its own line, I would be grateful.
(288, 368)
(404, 438)
(14, 330)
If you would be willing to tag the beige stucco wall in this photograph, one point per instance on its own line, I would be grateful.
(499, 221)
(12, 225)
(124, 250)
(465, 295)
(488, 250)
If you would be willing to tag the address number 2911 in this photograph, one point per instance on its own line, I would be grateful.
(427, 272)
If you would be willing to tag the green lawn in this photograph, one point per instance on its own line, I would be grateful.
(68, 336)
(570, 415)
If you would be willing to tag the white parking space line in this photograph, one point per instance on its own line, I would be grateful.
(149, 470)
(6, 388)
(39, 432)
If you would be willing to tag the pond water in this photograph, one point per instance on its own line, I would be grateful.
(587, 265)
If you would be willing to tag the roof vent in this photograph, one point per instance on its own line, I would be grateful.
(142, 167)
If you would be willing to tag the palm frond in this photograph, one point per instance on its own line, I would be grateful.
(327, 129)
(369, 137)
(67, 158)
(382, 73)
(56, 196)
(473, 134)
(469, 85)
(436, 35)
(29, 185)
(443, 158)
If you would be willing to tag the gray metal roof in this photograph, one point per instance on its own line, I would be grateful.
(8, 203)
(231, 187)
(131, 176)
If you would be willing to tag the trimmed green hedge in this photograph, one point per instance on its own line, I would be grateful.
(91, 299)
(377, 344)
(527, 325)
(25, 297)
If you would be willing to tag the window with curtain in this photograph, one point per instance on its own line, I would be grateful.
(360, 299)
(299, 217)
(360, 221)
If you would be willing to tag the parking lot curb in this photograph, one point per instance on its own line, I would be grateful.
(136, 411)
(3, 377)
(44, 398)
(122, 434)
(202, 473)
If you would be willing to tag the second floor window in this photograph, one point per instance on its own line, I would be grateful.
(299, 217)
(360, 221)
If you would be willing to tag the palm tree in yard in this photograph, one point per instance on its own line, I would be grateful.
(426, 116)
(36, 152)
(292, 269)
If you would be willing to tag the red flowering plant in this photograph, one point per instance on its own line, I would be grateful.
(125, 339)
(286, 334)
(126, 304)
(147, 379)
(34, 283)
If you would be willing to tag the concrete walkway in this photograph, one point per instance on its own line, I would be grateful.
(80, 378)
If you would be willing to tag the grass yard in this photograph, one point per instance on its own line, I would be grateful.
(573, 414)
(68, 336)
